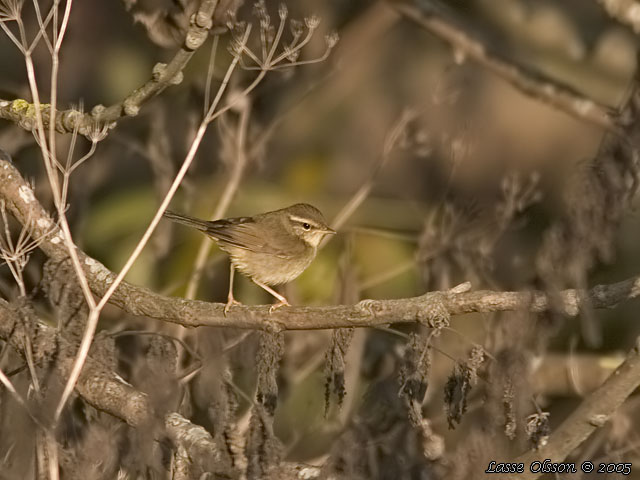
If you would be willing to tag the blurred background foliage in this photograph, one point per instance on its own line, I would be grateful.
(317, 133)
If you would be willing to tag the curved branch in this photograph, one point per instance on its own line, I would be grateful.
(591, 414)
(429, 308)
(22, 113)
(433, 16)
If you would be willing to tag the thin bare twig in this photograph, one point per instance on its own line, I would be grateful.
(14, 393)
(363, 192)
(52, 454)
(225, 199)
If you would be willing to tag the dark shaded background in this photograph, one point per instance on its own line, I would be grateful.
(433, 218)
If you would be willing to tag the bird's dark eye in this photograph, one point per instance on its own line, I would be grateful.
(306, 226)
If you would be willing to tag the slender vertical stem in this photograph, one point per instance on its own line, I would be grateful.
(223, 203)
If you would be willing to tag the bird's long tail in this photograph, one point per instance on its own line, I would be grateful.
(186, 220)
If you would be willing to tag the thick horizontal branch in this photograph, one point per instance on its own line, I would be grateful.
(429, 308)
(433, 16)
(104, 390)
(22, 113)
(591, 414)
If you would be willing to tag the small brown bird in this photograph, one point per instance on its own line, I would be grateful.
(271, 248)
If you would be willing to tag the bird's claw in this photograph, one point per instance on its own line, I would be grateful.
(230, 303)
(281, 303)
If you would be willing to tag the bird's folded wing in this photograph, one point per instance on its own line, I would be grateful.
(243, 233)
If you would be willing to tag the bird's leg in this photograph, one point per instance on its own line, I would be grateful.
(283, 301)
(230, 300)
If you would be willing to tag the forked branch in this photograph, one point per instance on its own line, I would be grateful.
(22, 112)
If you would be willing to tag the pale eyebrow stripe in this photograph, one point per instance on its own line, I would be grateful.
(303, 220)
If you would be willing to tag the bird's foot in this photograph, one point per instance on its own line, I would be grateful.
(281, 303)
(230, 303)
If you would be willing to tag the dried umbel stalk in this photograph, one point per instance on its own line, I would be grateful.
(276, 50)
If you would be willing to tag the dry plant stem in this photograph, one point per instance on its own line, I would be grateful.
(14, 393)
(16, 255)
(9, 253)
(68, 171)
(363, 192)
(52, 454)
(48, 156)
(47, 153)
(210, 69)
(41, 456)
(48, 159)
(94, 314)
(388, 275)
(55, 64)
(592, 413)
(225, 200)
(43, 24)
(432, 15)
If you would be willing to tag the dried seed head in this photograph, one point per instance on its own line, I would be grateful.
(296, 27)
(97, 132)
(312, 22)
(292, 54)
(282, 11)
(332, 39)
(260, 11)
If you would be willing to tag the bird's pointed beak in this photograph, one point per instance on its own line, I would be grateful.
(329, 231)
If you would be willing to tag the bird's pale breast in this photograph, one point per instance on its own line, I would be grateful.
(269, 269)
